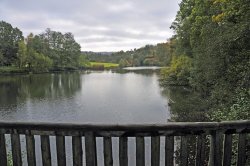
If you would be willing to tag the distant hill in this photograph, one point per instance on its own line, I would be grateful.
(149, 55)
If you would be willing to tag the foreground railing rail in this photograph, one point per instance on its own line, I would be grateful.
(220, 146)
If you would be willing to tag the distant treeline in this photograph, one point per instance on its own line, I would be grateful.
(149, 55)
(48, 50)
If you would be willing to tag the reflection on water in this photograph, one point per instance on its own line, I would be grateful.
(99, 97)
(85, 97)
(185, 105)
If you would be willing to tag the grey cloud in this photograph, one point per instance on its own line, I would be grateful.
(99, 25)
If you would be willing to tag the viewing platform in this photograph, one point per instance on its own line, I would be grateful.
(218, 137)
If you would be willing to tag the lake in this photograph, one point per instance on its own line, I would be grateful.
(98, 97)
(84, 97)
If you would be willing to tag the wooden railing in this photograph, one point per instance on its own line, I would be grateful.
(220, 148)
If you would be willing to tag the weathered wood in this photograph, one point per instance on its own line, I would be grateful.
(241, 160)
(77, 150)
(107, 150)
(60, 149)
(179, 128)
(169, 151)
(123, 151)
(16, 149)
(90, 148)
(77, 131)
(3, 154)
(227, 150)
(155, 150)
(30, 147)
(184, 151)
(215, 149)
(45, 148)
(140, 151)
(200, 150)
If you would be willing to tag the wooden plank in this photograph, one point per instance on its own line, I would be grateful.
(215, 149)
(200, 150)
(16, 149)
(60, 150)
(77, 150)
(123, 151)
(140, 151)
(107, 150)
(227, 150)
(45, 148)
(3, 154)
(30, 147)
(241, 160)
(155, 150)
(169, 151)
(72, 128)
(90, 148)
(184, 151)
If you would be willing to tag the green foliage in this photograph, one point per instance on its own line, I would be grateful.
(21, 54)
(123, 63)
(38, 53)
(83, 62)
(62, 49)
(239, 109)
(178, 73)
(216, 35)
(149, 55)
(9, 38)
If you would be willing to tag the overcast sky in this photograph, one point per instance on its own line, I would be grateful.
(98, 25)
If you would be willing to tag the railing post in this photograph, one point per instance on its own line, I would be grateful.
(45, 147)
(30, 147)
(60, 150)
(200, 150)
(184, 151)
(140, 151)
(215, 149)
(169, 151)
(77, 150)
(107, 150)
(3, 155)
(123, 151)
(16, 149)
(227, 150)
(155, 150)
(241, 160)
(90, 145)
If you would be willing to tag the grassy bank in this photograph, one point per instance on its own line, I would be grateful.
(12, 70)
(102, 65)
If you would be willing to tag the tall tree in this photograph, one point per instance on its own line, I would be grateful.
(9, 38)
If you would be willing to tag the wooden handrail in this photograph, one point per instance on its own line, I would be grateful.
(200, 131)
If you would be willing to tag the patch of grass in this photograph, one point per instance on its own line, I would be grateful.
(105, 65)
(11, 70)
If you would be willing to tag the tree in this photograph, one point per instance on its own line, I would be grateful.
(21, 54)
(9, 38)
(178, 73)
(215, 35)
(61, 48)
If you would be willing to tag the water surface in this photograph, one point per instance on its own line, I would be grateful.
(84, 97)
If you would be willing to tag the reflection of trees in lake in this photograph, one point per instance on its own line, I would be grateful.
(16, 89)
(144, 72)
(186, 106)
(8, 90)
